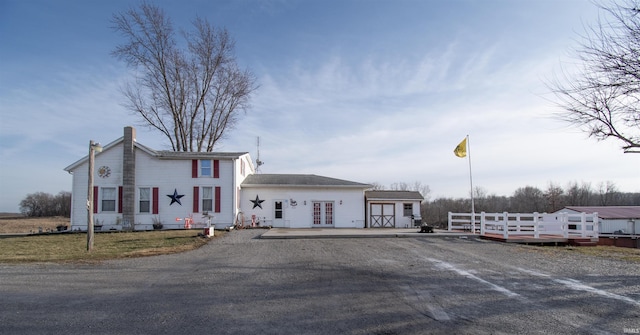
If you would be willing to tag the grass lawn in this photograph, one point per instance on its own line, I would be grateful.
(73, 247)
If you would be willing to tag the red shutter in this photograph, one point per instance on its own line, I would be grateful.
(217, 200)
(95, 199)
(216, 169)
(155, 200)
(194, 168)
(196, 198)
(119, 199)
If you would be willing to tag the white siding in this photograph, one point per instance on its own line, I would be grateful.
(165, 174)
(110, 158)
(298, 209)
(169, 175)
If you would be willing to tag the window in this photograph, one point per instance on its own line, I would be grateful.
(408, 209)
(278, 210)
(145, 200)
(207, 199)
(205, 168)
(109, 199)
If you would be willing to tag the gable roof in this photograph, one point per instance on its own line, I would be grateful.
(298, 180)
(608, 212)
(393, 195)
(162, 154)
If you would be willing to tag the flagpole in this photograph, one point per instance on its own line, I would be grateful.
(473, 209)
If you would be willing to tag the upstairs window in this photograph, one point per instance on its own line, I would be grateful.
(205, 168)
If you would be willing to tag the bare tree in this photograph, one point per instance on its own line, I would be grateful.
(417, 186)
(607, 193)
(528, 199)
(578, 195)
(553, 194)
(44, 204)
(192, 95)
(399, 186)
(376, 186)
(603, 98)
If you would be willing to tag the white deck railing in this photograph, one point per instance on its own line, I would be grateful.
(527, 224)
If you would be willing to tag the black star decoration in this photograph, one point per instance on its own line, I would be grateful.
(257, 202)
(175, 197)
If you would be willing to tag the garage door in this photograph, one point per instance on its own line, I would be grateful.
(382, 215)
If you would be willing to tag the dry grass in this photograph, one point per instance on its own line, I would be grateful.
(72, 247)
(602, 251)
(15, 224)
(611, 252)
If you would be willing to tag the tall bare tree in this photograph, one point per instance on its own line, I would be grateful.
(607, 193)
(553, 194)
(191, 94)
(603, 97)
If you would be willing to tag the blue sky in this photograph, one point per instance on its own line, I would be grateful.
(370, 91)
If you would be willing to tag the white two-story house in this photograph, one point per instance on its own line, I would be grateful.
(136, 187)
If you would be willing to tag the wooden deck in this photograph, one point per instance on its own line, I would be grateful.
(543, 239)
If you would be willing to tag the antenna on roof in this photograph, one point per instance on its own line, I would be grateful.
(258, 161)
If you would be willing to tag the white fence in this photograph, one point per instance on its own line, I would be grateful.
(526, 224)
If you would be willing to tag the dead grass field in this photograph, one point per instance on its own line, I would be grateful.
(14, 224)
(73, 247)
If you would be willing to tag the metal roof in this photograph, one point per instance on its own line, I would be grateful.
(608, 212)
(393, 195)
(298, 180)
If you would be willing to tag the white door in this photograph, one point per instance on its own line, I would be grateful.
(323, 214)
(278, 213)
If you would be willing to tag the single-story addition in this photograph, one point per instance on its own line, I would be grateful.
(393, 209)
(612, 219)
(302, 201)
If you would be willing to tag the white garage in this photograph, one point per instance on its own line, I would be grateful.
(393, 209)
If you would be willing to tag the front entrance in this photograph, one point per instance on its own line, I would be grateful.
(323, 214)
(382, 216)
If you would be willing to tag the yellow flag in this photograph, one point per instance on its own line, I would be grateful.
(461, 149)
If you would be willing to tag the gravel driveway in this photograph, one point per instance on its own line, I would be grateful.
(240, 284)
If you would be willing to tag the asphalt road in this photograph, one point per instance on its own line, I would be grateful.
(239, 284)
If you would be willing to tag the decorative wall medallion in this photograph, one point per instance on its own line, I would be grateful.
(257, 202)
(175, 197)
(104, 171)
